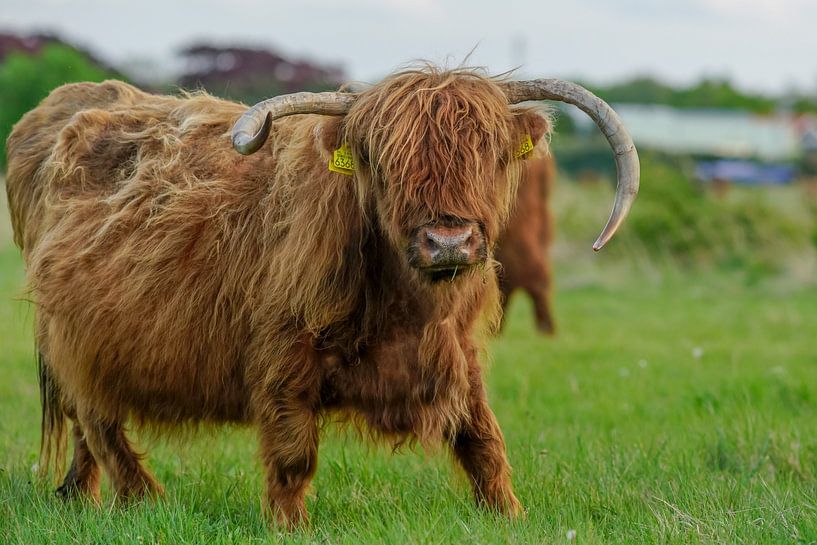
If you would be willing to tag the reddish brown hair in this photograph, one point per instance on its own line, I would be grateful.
(176, 281)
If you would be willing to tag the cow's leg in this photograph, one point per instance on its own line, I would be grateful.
(107, 442)
(287, 407)
(543, 308)
(505, 291)
(538, 286)
(83, 476)
(480, 449)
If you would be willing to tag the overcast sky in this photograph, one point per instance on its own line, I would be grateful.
(766, 45)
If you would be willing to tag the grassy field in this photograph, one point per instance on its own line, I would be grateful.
(671, 408)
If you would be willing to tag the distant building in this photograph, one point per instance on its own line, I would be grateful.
(745, 172)
(715, 133)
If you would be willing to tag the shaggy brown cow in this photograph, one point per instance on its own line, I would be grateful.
(177, 281)
(522, 249)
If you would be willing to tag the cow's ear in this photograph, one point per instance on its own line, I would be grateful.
(328, 136)
(533, 123)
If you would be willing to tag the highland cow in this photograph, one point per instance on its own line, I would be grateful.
(178, 281)
(523, 247)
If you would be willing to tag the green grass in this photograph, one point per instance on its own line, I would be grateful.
(671, 408)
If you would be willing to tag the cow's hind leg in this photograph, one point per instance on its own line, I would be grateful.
(480, 448)
(505, 291)
(543, 309)
(538, 286)
(109, 445)
(82, 479)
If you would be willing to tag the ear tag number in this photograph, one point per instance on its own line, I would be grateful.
(342, 161)
(525, 148)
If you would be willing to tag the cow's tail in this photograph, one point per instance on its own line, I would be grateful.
(53, 436)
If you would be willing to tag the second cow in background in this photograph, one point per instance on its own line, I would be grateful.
(523, 249)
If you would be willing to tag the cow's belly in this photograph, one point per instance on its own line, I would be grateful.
(200, 391)
(157, 378)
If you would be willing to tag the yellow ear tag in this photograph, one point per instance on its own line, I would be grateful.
(525, 148)
(342, 161)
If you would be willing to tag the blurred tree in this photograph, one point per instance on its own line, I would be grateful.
(720, 93)
(805, 104)
(249, 74)
(563, 124)
(27, 79)
(707, 93)
(641, 89)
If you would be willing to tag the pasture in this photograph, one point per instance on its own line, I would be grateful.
(672, 407)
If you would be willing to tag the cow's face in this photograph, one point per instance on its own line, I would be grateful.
(434, 150)
(436, 156)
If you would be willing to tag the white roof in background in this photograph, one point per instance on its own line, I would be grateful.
(724, 133)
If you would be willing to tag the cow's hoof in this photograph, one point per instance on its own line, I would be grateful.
(66, 492)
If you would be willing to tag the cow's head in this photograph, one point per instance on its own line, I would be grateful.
(437, 152)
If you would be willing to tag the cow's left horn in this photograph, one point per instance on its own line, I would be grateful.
(610, 124)
(251, 130)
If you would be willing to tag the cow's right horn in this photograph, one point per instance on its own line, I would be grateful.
(626, 156)
(251, 130)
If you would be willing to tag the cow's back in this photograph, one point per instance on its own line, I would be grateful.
(81, 139)
(122, 202)
(33, 142)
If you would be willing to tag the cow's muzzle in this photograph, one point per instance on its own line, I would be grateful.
(444, 251)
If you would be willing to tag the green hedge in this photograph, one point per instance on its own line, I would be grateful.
(679, 220)
(27, 79)
(748, 227)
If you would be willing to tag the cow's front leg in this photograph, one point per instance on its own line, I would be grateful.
(479, 447)
(288, 410)
(289, 450)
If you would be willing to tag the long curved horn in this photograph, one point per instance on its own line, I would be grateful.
(251, 130)
(627, 166)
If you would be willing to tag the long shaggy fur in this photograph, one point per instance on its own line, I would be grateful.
(177, 281)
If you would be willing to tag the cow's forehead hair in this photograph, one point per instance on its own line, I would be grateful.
(431, 122)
